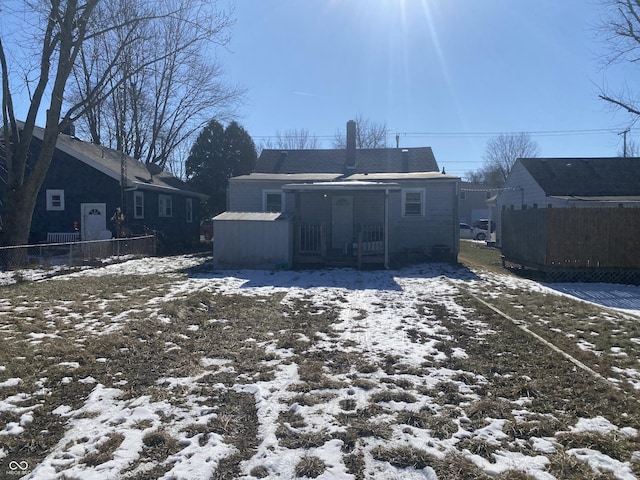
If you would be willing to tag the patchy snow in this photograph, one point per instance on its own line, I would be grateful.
(378, 311)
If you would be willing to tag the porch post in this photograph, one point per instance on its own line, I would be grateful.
(386, 229)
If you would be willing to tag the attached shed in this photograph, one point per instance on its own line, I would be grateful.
(260, 240)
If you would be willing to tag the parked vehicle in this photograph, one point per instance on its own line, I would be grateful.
(469, 232)
(483, 224)
(206, 230)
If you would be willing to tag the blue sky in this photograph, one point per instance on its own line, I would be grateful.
(448, 74)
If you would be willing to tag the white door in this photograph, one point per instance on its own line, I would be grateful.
(341, 221)
(94, 220)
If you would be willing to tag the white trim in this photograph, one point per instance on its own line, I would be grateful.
(165, 206)
(50, 194)
(189, 210)
(272, 191)
(406, 191)
(138, 194)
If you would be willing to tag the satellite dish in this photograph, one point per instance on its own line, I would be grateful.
(153, 168)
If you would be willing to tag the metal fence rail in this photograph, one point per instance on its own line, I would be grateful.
(74, 253)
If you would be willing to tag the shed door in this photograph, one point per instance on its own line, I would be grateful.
(341, 221)
(94, 220)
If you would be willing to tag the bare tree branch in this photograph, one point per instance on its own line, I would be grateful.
(369, 134)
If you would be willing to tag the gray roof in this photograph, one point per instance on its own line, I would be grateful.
(371, 160)
(586, 177)
(108, 161)
(287, 177)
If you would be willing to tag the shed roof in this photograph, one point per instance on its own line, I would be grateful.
(586, 177)
(252, 216)
(334, 160)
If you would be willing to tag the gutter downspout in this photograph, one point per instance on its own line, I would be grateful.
(386, 229)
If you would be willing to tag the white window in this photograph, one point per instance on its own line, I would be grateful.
(413, 202)
(272, 201)
(138, 204)
(165, 206)
(55, 200)
(189, 212)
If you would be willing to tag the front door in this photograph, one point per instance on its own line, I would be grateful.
(341, 222)
(94, 220)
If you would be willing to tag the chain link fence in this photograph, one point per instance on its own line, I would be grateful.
(74, 253)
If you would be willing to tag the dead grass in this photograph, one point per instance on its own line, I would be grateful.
(310, 466)
(504, 371)
(403, 457)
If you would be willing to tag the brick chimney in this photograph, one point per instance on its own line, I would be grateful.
(351, 145)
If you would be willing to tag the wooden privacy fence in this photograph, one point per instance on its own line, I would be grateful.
(584, 244)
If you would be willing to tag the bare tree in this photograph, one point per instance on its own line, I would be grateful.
(621, 30)
(630, 148)
(158, 106)
(293, 139)
(501, 154)
(369, 134)
(62, 34)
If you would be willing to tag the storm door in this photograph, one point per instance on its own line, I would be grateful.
(341, 222)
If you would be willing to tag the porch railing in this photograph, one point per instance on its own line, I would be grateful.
(311, 240)
(370, 240)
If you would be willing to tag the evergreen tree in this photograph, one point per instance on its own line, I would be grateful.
(217, 155)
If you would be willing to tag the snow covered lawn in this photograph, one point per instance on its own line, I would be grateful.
(166, 368)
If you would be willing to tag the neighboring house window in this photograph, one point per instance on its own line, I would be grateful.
(413, 202)
(463, 195)
(138, 204)
(55, 200)
(165, 206)
(189, 212)
(272, 201)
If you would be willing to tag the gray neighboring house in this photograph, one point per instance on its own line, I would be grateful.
(343, 207)
(569, 182)
(573, 219)
(473, 201)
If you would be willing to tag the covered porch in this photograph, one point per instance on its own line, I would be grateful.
(341, 223)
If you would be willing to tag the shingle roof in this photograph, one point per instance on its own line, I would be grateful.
(374, 160)
(108, 161)
(590, 177)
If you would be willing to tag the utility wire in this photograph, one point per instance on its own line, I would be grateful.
(537, 133)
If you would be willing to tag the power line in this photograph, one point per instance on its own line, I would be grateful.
(537, 133)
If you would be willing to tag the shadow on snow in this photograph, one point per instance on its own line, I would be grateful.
(350, 279)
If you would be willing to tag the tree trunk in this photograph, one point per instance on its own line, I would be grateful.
(18, 211)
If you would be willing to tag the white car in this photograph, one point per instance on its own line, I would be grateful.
(467, 231)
